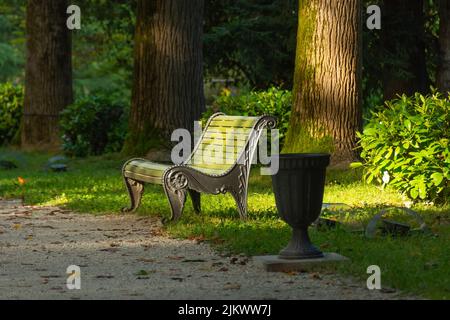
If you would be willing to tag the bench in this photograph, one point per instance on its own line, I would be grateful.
(202, 172)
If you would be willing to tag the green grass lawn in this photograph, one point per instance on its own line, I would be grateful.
(418, 264)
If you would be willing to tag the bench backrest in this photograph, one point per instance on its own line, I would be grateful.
(226, 141)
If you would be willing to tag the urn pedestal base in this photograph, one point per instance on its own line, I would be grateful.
(276, 264)
(300, 246)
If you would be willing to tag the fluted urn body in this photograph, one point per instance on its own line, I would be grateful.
(298, 187)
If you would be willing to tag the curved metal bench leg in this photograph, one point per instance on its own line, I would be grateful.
(241, 201)
(135, 190)
(195, 197)
(177, 199)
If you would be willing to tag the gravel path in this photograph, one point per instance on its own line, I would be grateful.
(129, 257)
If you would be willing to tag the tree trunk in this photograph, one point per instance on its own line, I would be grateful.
(48, 74)
(168, 72)
(327, 82)
(443, 76)
(404, 48)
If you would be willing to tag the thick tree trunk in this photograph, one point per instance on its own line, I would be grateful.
(48, 74)
(443, 75)
(327, 82)
(404, 48)
(168, 72)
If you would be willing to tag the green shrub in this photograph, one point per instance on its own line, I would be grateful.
(274, 101)
(407, 143)
(11, 107)
(93, 125)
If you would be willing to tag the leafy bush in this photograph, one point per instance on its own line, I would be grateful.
(274, 101)
(11, 107)
(93, 125)
(406, 144)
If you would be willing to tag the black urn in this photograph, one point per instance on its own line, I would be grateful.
(298, 187)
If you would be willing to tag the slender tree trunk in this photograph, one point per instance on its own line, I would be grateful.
(327, 82)
(404, 48)
(168, 72)
(48, 74)
(443, 76)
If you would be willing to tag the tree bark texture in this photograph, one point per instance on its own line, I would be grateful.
(48, 74)
(168, 71)
(327, 82)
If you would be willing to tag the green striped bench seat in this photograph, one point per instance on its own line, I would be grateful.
(219, 163)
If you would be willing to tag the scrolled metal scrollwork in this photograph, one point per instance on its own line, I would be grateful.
(177, 180)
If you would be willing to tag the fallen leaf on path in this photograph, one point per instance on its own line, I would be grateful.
(145, 260)
(45, 226)
(387, 290)
(193, 260)
(197, 238)
(232, 286)
(216, 264)
(144, 272)
(112, 250)
(178, 279)
(104, 277)
(315, 275)
(175, 257)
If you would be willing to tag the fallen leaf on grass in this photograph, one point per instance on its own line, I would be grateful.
(325, 245)
(430, 265)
